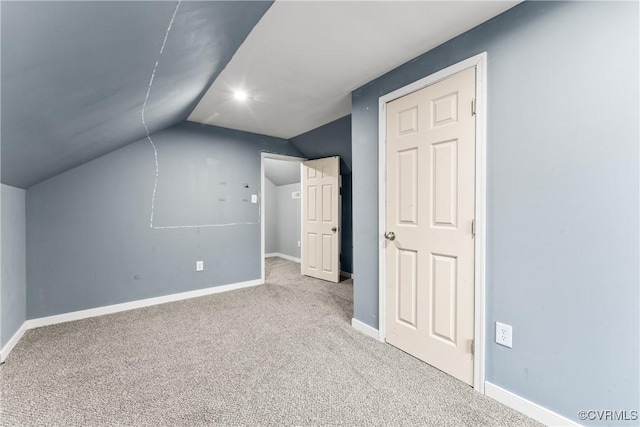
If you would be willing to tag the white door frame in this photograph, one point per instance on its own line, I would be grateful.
(480, 62)
(266, 155)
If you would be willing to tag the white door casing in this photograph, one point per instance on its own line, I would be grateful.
(430, 209)
(321, 219)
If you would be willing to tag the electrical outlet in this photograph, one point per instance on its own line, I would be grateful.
(298, 243)
(199, 265)
(254, 198)
(504, 335)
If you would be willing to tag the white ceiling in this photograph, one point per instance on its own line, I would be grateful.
(282, 172)
(301, 61)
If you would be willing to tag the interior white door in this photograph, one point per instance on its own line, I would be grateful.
(430, 201)
(321, 219)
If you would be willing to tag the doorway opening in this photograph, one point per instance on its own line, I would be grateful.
(280, 208)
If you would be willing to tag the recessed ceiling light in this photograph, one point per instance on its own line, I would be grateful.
(240, 95)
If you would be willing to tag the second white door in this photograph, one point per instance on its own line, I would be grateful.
(321, 218)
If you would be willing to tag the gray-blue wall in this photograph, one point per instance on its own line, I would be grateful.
(282, 219)
(270, 217)
(563, 198)
(289, 220)
(13, 279)
(89, 243)
(75, 74)
(334, 139)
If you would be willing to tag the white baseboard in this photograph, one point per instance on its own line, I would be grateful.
(115, 308)
(287, 257)
(365, 329)
(527, 407)
(12, 342)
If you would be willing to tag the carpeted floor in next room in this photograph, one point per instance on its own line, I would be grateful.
(280, 354)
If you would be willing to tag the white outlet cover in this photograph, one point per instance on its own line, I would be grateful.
(199, 265)
(254, 198)
(504, 335)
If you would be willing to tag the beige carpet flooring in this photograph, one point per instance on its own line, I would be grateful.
(279, 354)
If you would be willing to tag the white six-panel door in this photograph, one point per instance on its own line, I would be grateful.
(429, 224)
(321, 219)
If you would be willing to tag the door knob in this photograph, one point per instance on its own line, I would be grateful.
(334, 229)
(390, 235)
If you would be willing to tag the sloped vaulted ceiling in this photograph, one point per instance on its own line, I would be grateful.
(75, 74)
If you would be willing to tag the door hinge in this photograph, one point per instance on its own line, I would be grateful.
(473, 107)
(473, 347)
(473, 228)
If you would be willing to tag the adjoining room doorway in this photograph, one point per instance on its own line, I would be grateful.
(280, 207)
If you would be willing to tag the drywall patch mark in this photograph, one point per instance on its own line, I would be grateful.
(155, 150)
(144, 106)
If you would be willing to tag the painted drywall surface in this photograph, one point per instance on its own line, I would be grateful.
(89, 243)
(289, 217)
(0, 194)
(334, 139)
(75, 74)
(282, 172)
(562, 198)
(270, 217)
(14, 284)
